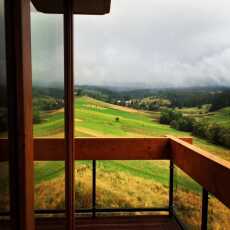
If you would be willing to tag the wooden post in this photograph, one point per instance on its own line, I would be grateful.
(19, 83)
(69, 113)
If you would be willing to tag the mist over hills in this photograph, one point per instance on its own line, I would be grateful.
(130, 87)
(157, 44)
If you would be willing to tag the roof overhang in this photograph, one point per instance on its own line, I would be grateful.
(91, 7)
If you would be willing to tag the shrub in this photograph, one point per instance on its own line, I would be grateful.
(164, 118)
(185, 124)
(169, 115)
(45, 103)
(173, 124)
(36, 116)
(199, 128)
(213, 133)
(224, 137)
(117, 119)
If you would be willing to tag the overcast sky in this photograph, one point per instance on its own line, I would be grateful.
(141, 43)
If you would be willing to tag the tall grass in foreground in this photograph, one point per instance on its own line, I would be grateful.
(114, 190)
(120, 190)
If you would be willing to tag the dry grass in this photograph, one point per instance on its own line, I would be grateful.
(121, 190)
(188, 208)
(219, 215)
(117, 189)
(113, 190)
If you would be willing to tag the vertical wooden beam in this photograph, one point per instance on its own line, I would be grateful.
(69, 113)
(19, 82)
(171, 187)
(204, 219)
(94, 195)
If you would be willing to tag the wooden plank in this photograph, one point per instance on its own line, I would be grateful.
(122, 148)
(209, 171)
(69, 113)
(93, 7)
(105, 223)
(52, 149)
(115, 222)
(19, 83)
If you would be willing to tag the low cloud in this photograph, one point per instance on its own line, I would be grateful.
(141, 43)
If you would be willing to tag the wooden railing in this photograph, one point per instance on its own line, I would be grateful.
(211, 172)
(208, 170)
(52, 149)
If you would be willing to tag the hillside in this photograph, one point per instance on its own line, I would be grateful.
(221, 117)
(97, 118)
(94, 118)
(144, 183)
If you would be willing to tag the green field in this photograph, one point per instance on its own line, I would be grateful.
(95, 118)
(119, 183)
(98, 119)
(220, 117)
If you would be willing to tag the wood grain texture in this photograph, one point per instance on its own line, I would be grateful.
(91, 7)
(19, 88)
(69, 113)
(52, 149)
(211, 172)
(105, 223)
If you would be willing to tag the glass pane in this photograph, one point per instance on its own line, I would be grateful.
(4, 165)
(187, 200)
(218, 215)
(48, 104)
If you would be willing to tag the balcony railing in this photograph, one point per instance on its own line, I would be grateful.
(211, 172)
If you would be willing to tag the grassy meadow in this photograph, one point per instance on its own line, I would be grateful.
(94, 118)
(124, 183)
(220, 117)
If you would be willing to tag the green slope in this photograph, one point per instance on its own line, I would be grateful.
(97, 118)
(221, 117)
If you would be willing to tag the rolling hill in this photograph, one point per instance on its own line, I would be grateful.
(119, 183)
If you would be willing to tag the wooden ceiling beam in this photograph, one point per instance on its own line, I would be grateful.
(90, 7)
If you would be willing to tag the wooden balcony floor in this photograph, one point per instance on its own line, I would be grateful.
(107, 223)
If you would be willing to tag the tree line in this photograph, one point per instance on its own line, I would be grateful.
(218, 97)
(213, 132)
(46, 99)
